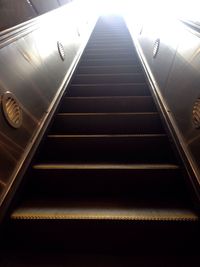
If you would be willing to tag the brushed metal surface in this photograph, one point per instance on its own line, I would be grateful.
(174, 77)
(13, 12)
(168, 36)
(63, 2)
(42, 6)
(147, 39)
(31, 68)
(183, 90)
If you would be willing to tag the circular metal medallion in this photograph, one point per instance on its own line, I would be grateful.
(12, 110)
(156, 47)
(196, 114)
(61, 50)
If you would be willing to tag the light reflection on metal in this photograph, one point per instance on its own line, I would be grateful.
(33, 72)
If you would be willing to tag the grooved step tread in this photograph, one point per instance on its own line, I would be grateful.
(100, 210)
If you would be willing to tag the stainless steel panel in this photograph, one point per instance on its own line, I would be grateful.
(13, 12)
(31, 68)
(183, 89)
(168, 36)
(63, 2)
(175, 78)
(42, 6)
(147, 38)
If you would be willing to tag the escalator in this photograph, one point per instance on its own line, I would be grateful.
(106, 187)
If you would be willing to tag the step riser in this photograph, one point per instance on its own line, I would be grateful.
(104, 46)
(103, 35)
(112, 69)
(127, 149)
(91, 104)
(107, 124)
(120, 78)
(108, 62)
(109, 43)
(111, 38)
(106, 56)
(100, 182)
(109, 90)
(117, 51)
(91, 236)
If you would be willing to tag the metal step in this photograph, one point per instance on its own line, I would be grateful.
(108, 78)
(108, 62)
(92, 209)
(146, 181)
(146, 148)
(119, 89)
(108, 104)
(109, 69)
(111, 50)
(103, 225)
(109, 46)
(102, 43)
(113, 35)
(107, 123)
(117, 35)
(112, 55)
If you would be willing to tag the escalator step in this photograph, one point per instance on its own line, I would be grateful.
(115, 148)
(97, 209)
(99, 47)
(108, 104)
(109, 69)
(131, 89)
(111, 38)
(107, 123)
(111, 56)
(146, 181)
(108, 78)
(103, 43)
(108, 62)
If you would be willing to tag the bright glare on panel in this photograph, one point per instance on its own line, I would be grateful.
(145, 9)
